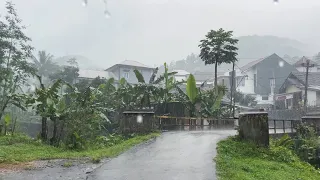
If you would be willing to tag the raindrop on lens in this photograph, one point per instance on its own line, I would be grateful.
(275, 2)
(84, 3)
(139, 119)
(281, 63)
(107, 14)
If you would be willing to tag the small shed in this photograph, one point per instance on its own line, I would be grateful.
(138, 121)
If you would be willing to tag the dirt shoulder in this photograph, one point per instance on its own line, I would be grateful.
(49, 169)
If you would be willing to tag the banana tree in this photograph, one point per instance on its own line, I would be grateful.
(211, 102)
(146, 92)
(192, 95)
(44, 101)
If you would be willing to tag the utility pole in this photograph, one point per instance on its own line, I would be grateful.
(232, 91)
(307, 65)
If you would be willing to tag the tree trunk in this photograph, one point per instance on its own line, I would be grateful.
(216, 76)
(54, 138)
(44, 128)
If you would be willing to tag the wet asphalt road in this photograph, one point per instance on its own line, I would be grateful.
(172, 156)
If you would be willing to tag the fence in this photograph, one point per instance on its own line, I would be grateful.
(282, 126)
(191, 123)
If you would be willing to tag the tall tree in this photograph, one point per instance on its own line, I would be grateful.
(44, 64)
(218, 47)
(14, 52)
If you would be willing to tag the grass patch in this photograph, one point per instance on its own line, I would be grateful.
(22, 149)
(238, 160)
(67, 164)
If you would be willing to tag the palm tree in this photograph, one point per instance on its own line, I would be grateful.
(44, 64)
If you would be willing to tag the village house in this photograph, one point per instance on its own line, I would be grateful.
(181, 75)
(262, 78)
(126, 68)
(291, 93)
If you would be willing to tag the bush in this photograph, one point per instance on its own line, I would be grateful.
(15, 139)
(306, 144)
(237, 159)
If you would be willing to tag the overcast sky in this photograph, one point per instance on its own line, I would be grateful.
(155, 31)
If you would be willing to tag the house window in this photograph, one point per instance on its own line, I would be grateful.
(223, 82)
(125, 74)
(288, 103)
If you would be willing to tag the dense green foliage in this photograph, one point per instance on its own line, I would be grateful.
(14, 68)
(305, 144)
(243, 160)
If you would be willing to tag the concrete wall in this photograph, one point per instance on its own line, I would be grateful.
(253, 126)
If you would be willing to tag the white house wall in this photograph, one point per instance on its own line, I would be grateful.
(312, 98)
(292, 88)
(248, 88)
(146, 73)
(312, 95)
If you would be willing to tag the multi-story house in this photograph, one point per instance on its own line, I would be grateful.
(126, 69)
(262, 78)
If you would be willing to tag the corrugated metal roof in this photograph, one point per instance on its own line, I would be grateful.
(129, 63)
(181, 72)
(91, 74)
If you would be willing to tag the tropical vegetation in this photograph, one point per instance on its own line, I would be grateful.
(237, 159)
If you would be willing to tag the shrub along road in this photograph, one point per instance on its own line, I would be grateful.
(242, 160)
(173, 155)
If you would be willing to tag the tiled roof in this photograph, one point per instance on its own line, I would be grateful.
(313, 78)
(303, 60)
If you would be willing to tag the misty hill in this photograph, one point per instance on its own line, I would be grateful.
(250, 48)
